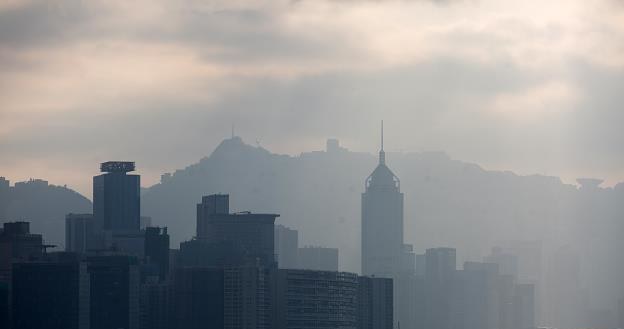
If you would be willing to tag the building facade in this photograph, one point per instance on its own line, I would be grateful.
(253, 233)
(79, 233)
(286, 246)
(317, 299)
(318, 258)
(375, 299)
(115, 292)
(116, 198)
(51, 295)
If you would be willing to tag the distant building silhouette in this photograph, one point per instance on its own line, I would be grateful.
(375, 299)
(116, 198)
(155, 304)
(51, 294)
(317, 299)
(318, 258)
(17, 244)
(383, 252)
(253, 233)
(286, 247)
(114, 283)
(382, 222)
(157, 250)
(621, 313)
(440, 269)
(198, 298)
(79, 236)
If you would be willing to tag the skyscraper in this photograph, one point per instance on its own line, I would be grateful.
(116, 198)
(383, 252)
(382, 222)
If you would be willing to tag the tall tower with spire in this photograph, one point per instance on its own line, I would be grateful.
(382, 221)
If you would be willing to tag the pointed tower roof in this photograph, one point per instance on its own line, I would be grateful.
(382, 176)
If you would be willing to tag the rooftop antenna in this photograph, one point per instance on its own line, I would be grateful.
(382, 154)
(233, 131)
(382, 135)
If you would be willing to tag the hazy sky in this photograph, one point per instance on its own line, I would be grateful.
(530, 86)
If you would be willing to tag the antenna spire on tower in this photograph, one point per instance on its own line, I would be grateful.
(382, 154)
(382, 135)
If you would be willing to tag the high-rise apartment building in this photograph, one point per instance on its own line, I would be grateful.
(79, 233)
(317, 299)
(51, 294)
(375, 300)
(157, 250)
(253, 233)
(115, 292)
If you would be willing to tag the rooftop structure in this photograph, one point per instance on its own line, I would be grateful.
(117, 166)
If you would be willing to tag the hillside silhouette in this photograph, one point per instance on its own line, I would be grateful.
(43, 205)
(447, 203)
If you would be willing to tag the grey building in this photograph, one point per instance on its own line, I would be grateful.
(621, 313)
(17, 244)
(115, 292)
(253, 233)
(52, 294)
(382, 222)
(79, 233)
(157, 250)
(318, 258)
(116, 198)
(249, 298)
(524, 306)
(198, 298)
(238, 297)
(155, 302)
(375, 299)
(286, 246)
(317, 299)
(440, 269)
(383, 252)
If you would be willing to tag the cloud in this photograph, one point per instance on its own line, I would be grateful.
(81, 81)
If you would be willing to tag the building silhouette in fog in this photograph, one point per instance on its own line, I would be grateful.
(382, 222)
(254, 233)
(17, 244)
(318, 258)
(51, 294)
(114, 285)
(157, 250)
(317, 299)
(116, 198)
(198, 298)
(79, 233)
(621, 313)
(286, 246)
(440, 269)
(383, 252)
(375, 299)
